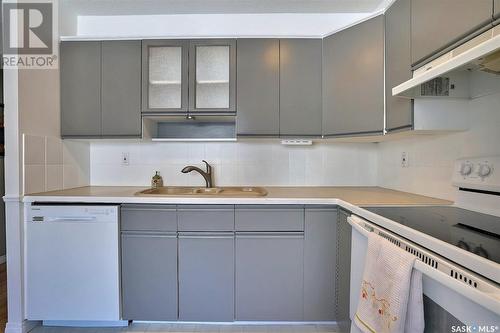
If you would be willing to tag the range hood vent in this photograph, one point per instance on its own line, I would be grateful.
(189, 128)
(437, 78)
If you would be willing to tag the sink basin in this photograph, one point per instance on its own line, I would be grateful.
(230, 191)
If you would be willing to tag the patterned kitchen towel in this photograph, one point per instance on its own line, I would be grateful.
(391, 291)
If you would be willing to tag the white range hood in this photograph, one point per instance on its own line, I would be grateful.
(438, 78)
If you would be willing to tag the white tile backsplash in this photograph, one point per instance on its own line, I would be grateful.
(267, 162)
(34, 175)
(54, 151)
(249, 162)
(432, 156)
(34, 152)
(54, 164)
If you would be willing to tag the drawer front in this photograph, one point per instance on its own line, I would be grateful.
(205, 217)
(269, 218)
(148, 218)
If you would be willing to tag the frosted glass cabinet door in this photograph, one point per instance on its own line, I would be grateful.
(212, 75)
(165, 75)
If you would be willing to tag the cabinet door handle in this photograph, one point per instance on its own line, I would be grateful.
(149, 234)
(295, 235)
(205, 235)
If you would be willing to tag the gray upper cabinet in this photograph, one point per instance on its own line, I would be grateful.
(437, 24)
(100, 89)
(258, 87)
(121, 88)
(300, 87)
(353, 80)
(206, 276)
(165, 76)
(399, 111)
(212, 75)
(80, 89)
(496, 9)
(320, 264)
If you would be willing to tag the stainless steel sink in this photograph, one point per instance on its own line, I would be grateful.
(230, 191)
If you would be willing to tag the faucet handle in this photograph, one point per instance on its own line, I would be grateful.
(209, 167)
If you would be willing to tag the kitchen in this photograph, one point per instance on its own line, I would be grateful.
(285, 133)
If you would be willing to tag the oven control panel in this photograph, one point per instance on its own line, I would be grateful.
(479, 173)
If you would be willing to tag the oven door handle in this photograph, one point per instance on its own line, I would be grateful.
(490, 301)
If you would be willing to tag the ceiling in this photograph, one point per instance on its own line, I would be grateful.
(147, 7)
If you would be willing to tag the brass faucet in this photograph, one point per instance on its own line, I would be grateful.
(206, 174)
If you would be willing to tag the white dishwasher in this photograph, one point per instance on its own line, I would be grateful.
(72, 265)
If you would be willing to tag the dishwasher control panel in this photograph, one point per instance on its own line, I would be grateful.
(71, 213)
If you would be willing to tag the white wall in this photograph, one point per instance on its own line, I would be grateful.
(432, 156)
(252, 162)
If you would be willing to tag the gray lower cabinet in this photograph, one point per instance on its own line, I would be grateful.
(80, 88)
(343, 279)
(353, 80)
(437, 24)
(257, 87)
(320, 269)
(269, 276)
(121, 88)
(206, 276)
(300, 87)
(149, 276)
(399, 111)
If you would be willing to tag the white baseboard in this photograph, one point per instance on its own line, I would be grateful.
(3, 259)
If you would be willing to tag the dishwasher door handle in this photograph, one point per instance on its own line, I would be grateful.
(72, 219)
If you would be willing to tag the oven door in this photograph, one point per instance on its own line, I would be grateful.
(448, 302)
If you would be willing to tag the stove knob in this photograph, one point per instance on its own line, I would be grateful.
(480, 251)
(466, 169)
(484, 170)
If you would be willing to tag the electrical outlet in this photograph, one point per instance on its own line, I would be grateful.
(125, 159)
(405, 161)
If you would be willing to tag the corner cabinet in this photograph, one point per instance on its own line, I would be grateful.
(353, 80)
(100, 89)
(398, 111)
(343, 280)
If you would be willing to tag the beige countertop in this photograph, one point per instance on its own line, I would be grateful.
(358, 196)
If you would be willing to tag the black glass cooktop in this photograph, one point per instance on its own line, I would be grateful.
(475, 232)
